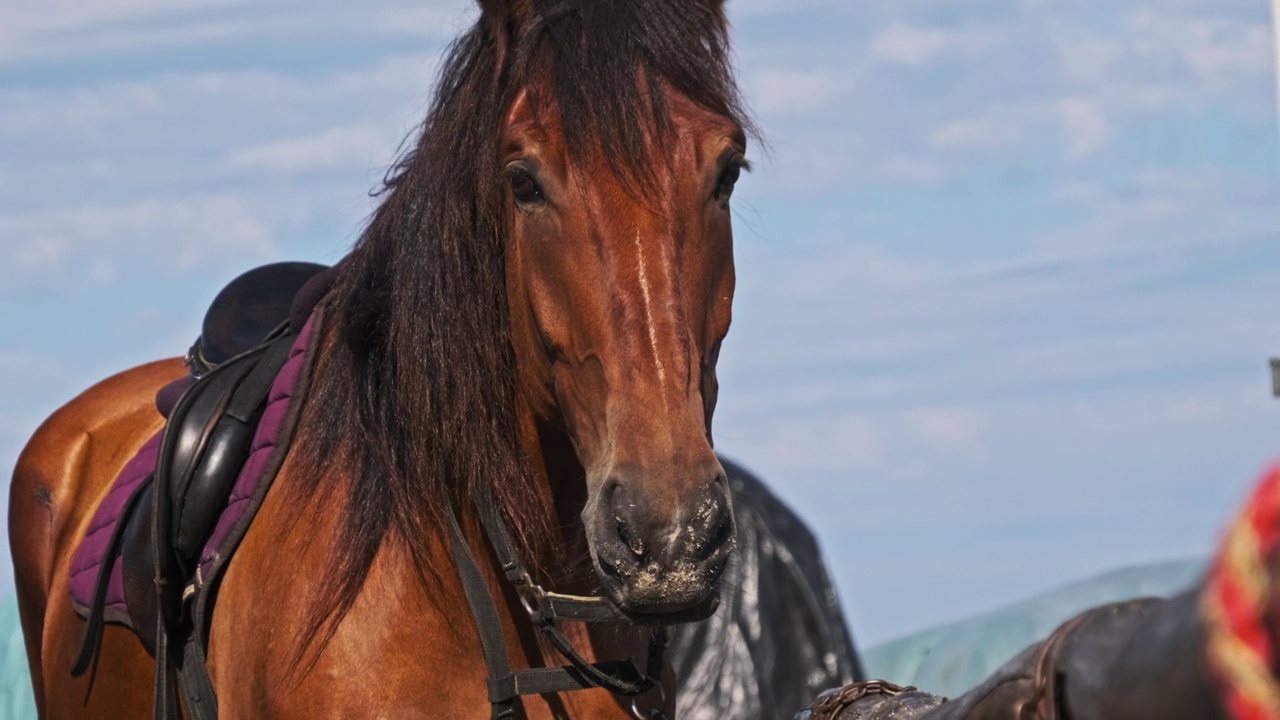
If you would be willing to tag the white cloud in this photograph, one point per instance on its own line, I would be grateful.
(1170, 209)
(748, 9)
(846, 441)
(917, 45)
(1079, 191)
(948, 430)
(1000, 129)
(39, 255)
(74, 244)
(787, 91)
(1215, 49)
(87, 28)
(1157, 59)
(28, 29)
(171, 172)
(805, 162)
(1085, 125)
(359, 145)
(913, 170)
(176, 104)
(1203, 410)
(909, 45)
(431, 19)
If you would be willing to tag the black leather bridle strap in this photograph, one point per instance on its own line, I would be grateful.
(621, 677)
(543, 606)
(540, 681)
(485, 613)
(546, 608)
(500, 539)
(631, 682)
(570, 607)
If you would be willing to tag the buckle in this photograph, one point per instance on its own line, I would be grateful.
(657, 713)
(196, 361)
(533, 598)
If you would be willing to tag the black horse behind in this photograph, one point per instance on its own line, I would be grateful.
(779, 637)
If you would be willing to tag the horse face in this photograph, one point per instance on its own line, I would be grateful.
(620, 295)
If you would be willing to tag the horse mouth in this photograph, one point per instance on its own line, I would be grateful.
(698, 613)
(673, 597)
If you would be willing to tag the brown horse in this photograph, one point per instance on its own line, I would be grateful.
(536, 308)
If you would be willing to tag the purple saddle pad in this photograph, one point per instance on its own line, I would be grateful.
(90, 558)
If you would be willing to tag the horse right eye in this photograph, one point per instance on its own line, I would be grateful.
(728, 180)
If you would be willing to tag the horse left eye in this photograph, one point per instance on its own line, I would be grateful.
(525, 188)
(728, 179)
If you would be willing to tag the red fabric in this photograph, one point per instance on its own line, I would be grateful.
(1237, 599)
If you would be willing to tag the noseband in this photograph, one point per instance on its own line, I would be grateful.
(621, 677)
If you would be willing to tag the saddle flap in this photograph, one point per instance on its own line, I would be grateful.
(212, 429)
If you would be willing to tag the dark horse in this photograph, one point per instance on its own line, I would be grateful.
(535, 310)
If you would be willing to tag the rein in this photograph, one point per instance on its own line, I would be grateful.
(621, 677)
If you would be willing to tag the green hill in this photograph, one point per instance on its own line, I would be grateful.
(950, 659)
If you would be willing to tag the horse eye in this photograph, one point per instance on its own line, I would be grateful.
(728, 179)
(524, 187)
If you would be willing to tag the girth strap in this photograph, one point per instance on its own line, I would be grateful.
(620, 677)
(92, 641)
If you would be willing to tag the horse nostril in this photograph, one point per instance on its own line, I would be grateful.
(720, 533)
(634, 544)
(716, 515)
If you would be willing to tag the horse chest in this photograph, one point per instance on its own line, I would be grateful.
(396, 654)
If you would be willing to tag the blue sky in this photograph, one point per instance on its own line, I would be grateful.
(1009, 272)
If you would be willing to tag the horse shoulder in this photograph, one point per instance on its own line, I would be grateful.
(391, 656)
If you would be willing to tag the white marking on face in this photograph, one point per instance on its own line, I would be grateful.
(648, 310)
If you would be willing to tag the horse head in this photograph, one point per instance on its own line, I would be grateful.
(620, 278)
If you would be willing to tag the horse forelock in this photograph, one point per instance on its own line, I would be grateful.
(414, 405)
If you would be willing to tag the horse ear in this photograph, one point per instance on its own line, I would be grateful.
(502, 18)
(505, 13)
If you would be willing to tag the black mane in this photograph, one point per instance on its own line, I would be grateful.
(413, 406)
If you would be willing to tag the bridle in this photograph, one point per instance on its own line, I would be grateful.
(621, 677)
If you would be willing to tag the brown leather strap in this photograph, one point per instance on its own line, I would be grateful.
(1045, 702)
(830, 706)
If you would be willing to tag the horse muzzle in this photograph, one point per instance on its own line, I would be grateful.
(662, 567)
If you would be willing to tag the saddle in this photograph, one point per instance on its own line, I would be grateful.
(173, 535)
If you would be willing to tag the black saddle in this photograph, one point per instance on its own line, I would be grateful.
(212, 417)
(247, 310)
